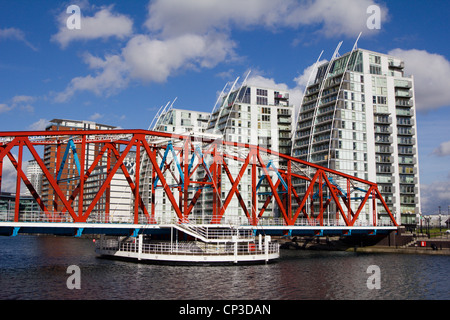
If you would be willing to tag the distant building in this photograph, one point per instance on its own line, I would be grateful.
(177, 121)
(70, 176)
(27, 206)
(34, 175)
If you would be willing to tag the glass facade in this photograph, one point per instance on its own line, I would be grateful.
(357, 117)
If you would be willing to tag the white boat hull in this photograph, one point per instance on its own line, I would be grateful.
(181, 258)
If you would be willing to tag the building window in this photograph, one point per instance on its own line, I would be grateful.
(375, 69)
(261, 92)
(262, 101)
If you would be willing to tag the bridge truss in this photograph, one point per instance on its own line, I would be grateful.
(300, 193)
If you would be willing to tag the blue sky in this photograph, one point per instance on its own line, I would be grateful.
(131, 57)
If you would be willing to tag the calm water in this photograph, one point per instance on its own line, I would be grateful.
(34, 268)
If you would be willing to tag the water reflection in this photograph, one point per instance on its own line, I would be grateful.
(35, 268)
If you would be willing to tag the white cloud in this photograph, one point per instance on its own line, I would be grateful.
(104, 24)
(9, 175)
(155, 60)
(336, 17)
(95, 116)
(261, 81)
(197, 34)
(22, 102)
(110, 77)
(175, 17)
(431, 77)
(4, 108)
(15, 34)
(443, 149)
(434, 195)
(25, 99)
(39, 125)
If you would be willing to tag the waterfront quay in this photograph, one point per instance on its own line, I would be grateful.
(396, 242)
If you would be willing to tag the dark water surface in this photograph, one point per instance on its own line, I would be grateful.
(35, 268)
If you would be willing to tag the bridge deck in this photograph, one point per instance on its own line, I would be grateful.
(78, 229)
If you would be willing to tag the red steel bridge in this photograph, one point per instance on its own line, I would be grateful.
(300, 198)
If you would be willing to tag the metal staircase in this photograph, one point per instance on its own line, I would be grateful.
(212, 234)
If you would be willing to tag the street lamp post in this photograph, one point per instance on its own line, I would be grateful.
(447, 222)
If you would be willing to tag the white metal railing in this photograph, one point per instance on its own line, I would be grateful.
(214, 233)
(190, 248)
(202, 225)
(36, 216)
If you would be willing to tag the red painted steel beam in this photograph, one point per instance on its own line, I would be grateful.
(385, 205)
(51, 180)
(274, 191)
(138, 140)
(306, 195)
(28, 184)
(234, 185)
(238, 194)
(107, 181)
(152, 158)
(336, 201)
(18, 181)
(361, 205)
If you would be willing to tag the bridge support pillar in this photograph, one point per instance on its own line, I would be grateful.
(15, 231)
(79, 232)
(140, 240)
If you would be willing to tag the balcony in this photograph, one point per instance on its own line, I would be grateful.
(406, 141)
(383, 119)
(381, 109)
(384, 168)
(383, 129)
(384, 149)
(404, 112)
(284, 120)
(284, 128)
(284, 112)
(383, 139)
(384, 159)
(404, 122)
(396, 64)
(403, 84)
(404, 103)
(403, 93)
(278, 95)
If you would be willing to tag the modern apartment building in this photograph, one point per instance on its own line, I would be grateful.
(254, 115)
(34, 175)
(182, 121)
(177, 121)
(120, 197)
(358, 117)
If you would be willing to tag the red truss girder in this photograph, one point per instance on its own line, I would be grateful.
(251, 157)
